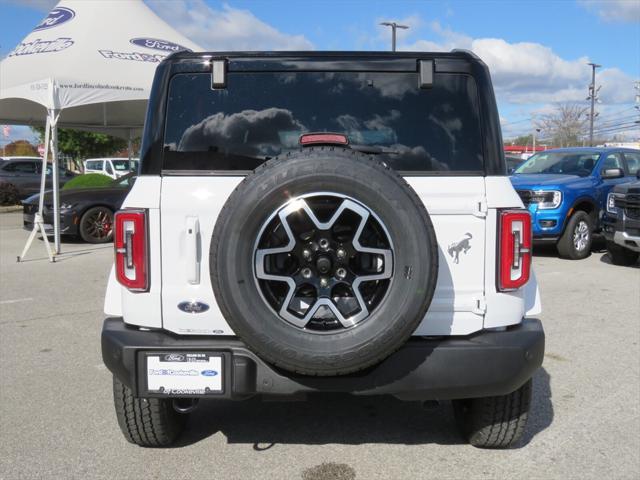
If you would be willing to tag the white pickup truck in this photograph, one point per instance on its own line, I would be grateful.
(322, 222)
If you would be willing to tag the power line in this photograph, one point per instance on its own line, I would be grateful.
(598, 117)
(629, 126)
(613, 114)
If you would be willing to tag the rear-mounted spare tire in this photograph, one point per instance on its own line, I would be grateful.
(324, 261)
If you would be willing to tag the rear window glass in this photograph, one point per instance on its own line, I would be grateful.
(22, 167)
(633, 162)
(123, 165)
(261, 115)
(93, 165)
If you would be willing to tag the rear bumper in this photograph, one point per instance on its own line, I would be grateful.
(484, 364)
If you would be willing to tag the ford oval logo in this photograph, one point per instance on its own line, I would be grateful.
(157, 44)
(209, 373)
(193, 307)
(174, 357)
(56, 17)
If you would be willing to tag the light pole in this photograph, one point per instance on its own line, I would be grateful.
(394, 26)
(592, 96)
(535, 130)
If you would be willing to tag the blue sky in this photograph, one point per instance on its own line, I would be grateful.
(537, 50)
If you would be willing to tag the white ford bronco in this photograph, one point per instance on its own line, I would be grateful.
(322, 222)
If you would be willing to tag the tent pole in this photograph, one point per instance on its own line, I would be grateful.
(38, 221)
(56, 184)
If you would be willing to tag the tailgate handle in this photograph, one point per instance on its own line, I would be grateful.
(192, 250)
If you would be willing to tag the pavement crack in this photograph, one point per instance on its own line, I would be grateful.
(22, 320)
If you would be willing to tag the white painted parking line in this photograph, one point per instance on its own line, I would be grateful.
(16, 300)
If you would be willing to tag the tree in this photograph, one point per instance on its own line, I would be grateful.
(79, 144)
(565, 126)
(20, 148)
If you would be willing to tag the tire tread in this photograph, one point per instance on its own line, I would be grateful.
(565, 243)
(148, 422)
(495, 422)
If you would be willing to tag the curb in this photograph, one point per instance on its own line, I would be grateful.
(11, 208)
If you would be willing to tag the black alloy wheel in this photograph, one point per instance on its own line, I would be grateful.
(96, 225)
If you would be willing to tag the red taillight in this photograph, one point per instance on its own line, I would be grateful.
(323, 139)
(130, 242)
(514, 250)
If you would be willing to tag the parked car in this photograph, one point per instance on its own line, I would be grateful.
(621, 223)
(566, 190)
(25, 174)
(312, 222)
(112, 167)
(84, 212)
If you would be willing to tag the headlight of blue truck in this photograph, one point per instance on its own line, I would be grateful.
(546, 199)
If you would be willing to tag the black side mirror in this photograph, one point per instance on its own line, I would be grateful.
(609, 173)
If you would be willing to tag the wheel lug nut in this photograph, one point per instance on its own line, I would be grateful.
(324, 243)
(306, 272)
(323, 282)
(306, 253)
(341, 272)
(341, 253)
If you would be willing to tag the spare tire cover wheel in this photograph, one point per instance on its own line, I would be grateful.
(324, 261)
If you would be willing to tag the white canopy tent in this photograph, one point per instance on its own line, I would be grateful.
(87, 65)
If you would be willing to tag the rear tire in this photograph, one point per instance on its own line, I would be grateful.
(575, 242)
(148, 422)
(620, 255)
(96, 225)
(494, 422)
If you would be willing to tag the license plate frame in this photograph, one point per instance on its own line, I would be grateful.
(193, 374)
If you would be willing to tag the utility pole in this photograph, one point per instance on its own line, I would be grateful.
(535, 130)
(394, 26)
(593, 96)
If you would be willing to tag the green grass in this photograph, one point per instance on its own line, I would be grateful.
(87, 181)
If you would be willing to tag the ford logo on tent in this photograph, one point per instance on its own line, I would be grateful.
(209, 373)
(56, 17)
(156, 44)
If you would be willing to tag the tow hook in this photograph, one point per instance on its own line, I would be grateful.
(185, 405)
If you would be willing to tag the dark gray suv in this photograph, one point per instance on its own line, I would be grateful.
(24, 173)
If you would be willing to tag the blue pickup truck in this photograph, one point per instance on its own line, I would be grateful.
(566, 191)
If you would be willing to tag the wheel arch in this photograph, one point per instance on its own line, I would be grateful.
(94, 205)
(584, 204)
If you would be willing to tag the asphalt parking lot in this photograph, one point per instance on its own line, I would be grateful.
(57, 418)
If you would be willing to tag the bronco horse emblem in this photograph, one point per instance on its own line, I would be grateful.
(462, 246)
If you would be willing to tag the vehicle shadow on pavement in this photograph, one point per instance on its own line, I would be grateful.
(73, 240)
(599, 244)
(607, 259)
(541, 412)
(345, 419)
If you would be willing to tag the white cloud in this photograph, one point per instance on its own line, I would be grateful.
(225, 29)
(614, 10)
(531, 73)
